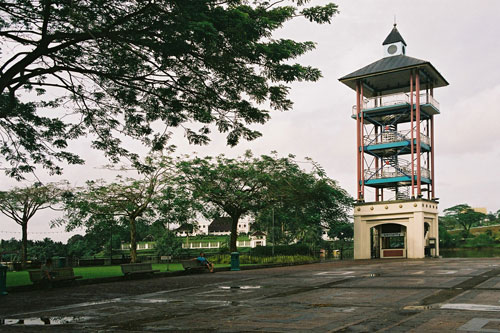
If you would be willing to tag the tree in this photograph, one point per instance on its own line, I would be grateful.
(305, 204)
(168, 244)
(464, 216)
(174, 205)
(46, 248)
(245, 185)
(21, 204)
(231, 186)
(127, 198)
(81, 246)
(342, 232)
(117, 67)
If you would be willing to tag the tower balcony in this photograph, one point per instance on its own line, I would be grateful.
(390, 143)
(387, 137)
(380, 108)
(390, 176)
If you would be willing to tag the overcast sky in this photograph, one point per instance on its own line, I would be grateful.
(460, 38)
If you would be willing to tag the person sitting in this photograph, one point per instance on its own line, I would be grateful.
(204, 262)
(48, 270)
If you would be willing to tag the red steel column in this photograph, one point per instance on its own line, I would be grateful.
(412, 138)
(362, 146)
(377, 190)
(433, 181)
(358, 152)
(419, 171)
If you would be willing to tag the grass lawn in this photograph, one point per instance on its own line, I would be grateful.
(22, 277)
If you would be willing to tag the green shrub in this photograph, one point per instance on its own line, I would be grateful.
(259, 260)
(447, 240)
(301, 249)
(481, 240)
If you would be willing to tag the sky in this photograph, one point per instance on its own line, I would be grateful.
(460, 38)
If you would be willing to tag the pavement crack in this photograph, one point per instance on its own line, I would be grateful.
(308, 289)
(447, 294)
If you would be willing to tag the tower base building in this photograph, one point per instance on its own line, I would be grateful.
(396, 229)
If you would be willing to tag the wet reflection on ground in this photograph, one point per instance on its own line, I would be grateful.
(43, 321)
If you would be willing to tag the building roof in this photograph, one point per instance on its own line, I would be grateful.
(185, 227)
(384, 65)
(220, 224)
(258, 233)
(392, 75)
(394, 37)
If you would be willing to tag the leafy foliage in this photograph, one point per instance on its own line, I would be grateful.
(343, 233)
(36, 250)
(304, 205)
(305, 202)
(230, 186)
(120, 67)
(168, 244)
(21, 204)
(125, 200)
(464, 216)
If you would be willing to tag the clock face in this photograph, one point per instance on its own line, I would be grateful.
(392, 49)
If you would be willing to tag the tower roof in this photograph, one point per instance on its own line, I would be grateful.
(394, 37)
(391, 75)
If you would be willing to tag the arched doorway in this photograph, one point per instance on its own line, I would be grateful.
(388, 240)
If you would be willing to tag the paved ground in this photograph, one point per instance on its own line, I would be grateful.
(435, 295)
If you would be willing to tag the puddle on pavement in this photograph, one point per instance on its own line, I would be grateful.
(418, 307)
(372, 275)
(334, 307)
(151, 301)
(42, 321)
(239, 287)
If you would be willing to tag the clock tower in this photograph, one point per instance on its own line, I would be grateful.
(396, 214)
(394, 44)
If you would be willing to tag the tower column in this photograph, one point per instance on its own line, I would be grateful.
(416, 243)
(362, 242)
(358, 133)
(419, 170)
(377, 190)
(362, 146)
(433, 181)
(412, 128)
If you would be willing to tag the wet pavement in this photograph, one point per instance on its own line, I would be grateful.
(432, 295)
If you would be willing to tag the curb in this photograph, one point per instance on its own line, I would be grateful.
(32, 287)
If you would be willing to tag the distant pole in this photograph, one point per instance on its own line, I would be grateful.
(272, 230)
(111, 245)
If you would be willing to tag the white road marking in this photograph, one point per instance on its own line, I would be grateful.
(335, 273)
(477, 324)
(471, 307)
(446, 272)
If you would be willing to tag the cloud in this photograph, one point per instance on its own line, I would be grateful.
(470, 125)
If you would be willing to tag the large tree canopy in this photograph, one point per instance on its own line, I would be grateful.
(129, 199)
(138, 68)
(463, 216)
(304, 204)
(308, 202)
(231, 186)
(21, 204)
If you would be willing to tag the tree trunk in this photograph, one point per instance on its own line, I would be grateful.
(234, 233)
(24, 244)
(133, 244)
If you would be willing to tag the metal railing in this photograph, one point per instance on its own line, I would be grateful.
(393, 136)
(391, 172)
(395, 99)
